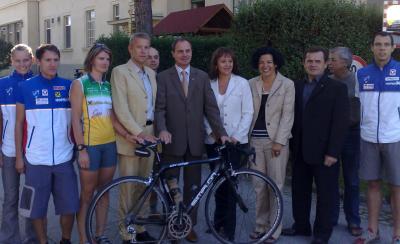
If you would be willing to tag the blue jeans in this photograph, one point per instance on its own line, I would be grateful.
(350, 159)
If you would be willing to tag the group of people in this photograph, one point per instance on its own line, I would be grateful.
(323, 119)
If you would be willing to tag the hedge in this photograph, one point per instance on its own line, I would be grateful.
(291, 26)
(202, 49)
(294, 25)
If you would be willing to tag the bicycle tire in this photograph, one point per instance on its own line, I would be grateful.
(242, 186)
(115, 225)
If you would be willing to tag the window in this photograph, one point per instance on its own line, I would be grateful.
(17, 32)
(198, 3)
(116, 11)
(90, 27)
(47, 28)
(11, 32)
(67, 31)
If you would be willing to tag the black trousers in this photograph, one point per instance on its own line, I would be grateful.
(225, 203)
(191, 177)
(326, 181)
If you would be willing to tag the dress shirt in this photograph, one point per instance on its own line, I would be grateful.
(308, 88)
(149, 93)
(187, 70)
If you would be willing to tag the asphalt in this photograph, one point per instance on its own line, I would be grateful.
(339, 236)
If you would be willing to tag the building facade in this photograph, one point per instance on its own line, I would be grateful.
(74, 25)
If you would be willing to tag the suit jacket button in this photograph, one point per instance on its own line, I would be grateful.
(225, 124)
(268, 123)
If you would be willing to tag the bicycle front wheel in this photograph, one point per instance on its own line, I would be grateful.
(119, 212)
(246, 202)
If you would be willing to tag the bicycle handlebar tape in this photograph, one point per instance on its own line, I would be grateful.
(174, 190)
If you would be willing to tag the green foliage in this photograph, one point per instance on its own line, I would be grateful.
(5, 49)
(202, 46)
(294, 25)
(202, 49)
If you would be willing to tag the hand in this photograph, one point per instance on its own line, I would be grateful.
(133, 139)
(83, 159)
(233, 140)
(276, 149)
(149, 138)
(19, 165)
(329, 161)
(225, 139)
(165, 136)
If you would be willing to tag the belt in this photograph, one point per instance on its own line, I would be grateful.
(149, 122)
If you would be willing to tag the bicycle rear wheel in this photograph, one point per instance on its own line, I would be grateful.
(232, 219)
(115, 212)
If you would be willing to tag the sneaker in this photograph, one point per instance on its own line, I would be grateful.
(367, 237)
(396, 240)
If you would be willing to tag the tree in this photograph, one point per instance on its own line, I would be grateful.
(5, 48)
(143, 16)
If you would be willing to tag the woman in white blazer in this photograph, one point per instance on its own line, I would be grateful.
(273, 99)
(235, 103)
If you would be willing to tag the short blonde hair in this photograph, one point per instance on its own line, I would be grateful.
(21, 47)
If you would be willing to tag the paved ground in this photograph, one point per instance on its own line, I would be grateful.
(340, 234)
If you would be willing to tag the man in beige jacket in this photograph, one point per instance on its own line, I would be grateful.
(133, 93)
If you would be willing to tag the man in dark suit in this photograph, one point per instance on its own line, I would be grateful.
(320, 124)
(184, 97)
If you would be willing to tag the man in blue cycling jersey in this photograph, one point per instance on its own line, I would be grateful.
(45, 150)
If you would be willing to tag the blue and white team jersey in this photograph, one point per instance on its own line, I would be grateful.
(48, 120)
(379, 92)
(8, 87)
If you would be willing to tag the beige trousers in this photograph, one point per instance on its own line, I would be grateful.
(129, 194)
(275, 168)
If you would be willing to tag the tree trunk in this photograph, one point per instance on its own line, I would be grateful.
(143, 16)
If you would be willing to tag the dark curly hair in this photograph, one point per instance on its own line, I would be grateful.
(277, 57)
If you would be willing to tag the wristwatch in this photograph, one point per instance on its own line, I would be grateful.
(80, 147)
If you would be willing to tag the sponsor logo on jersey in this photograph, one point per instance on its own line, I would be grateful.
(57, 94)
(45, 92)
(392, 72)
(42, 101)
(59, 88)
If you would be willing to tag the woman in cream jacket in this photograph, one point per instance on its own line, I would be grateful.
(273, 98)
(235, 103)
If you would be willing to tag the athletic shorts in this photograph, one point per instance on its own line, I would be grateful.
(40, 181)
(380, 161)
(102, 156)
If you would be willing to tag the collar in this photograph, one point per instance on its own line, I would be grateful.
(17, 75)
(389, 64)
(92, 80)
(135, 67)
(47, 80)
(179, 69)
(317, 79)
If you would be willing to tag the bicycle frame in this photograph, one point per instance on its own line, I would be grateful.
(158, 176)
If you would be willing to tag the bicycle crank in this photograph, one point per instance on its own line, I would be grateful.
(179, 225)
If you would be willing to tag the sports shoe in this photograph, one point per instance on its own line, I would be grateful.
(368, 237)
(396, 240)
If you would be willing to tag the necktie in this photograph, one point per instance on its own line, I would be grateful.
(185, 83)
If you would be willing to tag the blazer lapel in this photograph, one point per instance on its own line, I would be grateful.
(135, 75)
(275, 86)
(318, 88)
(231, 86)
(192, 82)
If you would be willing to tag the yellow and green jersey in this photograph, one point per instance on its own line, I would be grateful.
(96, 107)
